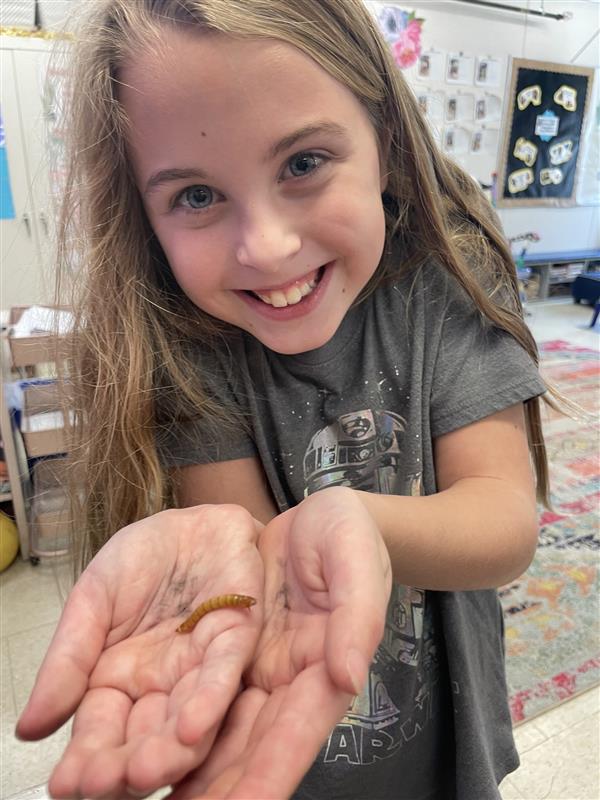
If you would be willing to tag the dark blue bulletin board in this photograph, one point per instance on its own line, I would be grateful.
(544, 122)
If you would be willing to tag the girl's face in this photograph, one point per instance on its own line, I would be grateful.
(261, 177)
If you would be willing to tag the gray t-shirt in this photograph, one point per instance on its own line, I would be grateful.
(412, 362)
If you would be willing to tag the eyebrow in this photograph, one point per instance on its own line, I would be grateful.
(330, 128)
(189, 173)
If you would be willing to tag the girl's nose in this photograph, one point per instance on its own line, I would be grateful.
(266, 242)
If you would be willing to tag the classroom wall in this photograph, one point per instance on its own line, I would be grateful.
(454, 26)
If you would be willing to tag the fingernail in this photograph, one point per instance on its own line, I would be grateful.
(357, 669)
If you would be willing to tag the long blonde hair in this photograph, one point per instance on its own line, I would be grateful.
(135, 327)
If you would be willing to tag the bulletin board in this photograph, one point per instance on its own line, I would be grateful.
(546, 108)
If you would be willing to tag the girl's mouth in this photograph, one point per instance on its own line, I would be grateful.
(292, 294)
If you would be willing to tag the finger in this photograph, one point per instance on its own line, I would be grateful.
(148, 716)
(359, 590)
(218, 681)
(99, 725)
(74, 650)
(230, 746)
(104, 775)
(161, 759)
(288, 744)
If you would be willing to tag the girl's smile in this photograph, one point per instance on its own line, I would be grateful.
(261, 178)
(293, 301)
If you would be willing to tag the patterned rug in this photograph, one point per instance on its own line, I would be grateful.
(552, 612)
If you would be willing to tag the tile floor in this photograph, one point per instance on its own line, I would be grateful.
(560, 750)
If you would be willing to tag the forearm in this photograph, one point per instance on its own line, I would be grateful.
(479, 533)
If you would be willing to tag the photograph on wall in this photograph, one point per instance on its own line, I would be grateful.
(488, 72)
(545, 118)
(432, 104)
(459, 107)
(477, 141)
(430, 66)
(459, 68)
(487, 108)
(456, 140)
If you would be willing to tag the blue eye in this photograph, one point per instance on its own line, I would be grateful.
(196, 197)
(304, 163)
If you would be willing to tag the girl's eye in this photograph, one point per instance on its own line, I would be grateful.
(304, 164)
(196, 198)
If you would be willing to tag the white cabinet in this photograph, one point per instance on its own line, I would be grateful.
(32, 141)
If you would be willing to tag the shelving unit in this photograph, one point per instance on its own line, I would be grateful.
(560, 267)
(18, 471)
(25, 447)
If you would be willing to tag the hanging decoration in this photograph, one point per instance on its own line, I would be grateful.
(402, 30)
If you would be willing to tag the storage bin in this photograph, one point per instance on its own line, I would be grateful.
(42, 422)
(36, 348)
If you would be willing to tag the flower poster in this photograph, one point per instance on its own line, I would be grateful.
(544, 124)
(402, 31)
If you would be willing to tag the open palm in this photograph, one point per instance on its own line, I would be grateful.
(149, 700)
(327, 584)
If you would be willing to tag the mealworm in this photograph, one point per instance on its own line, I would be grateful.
(214, 603)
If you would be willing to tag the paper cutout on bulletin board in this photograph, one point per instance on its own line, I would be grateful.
(7, 209)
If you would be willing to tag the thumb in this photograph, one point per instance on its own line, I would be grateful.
(73, 653)
(359, 593)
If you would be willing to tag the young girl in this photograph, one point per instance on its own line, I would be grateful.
(292, 303)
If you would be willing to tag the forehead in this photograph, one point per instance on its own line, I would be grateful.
(221, 83)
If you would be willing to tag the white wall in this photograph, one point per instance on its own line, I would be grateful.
(454, 26)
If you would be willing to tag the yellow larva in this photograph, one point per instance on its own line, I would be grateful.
(214, 603)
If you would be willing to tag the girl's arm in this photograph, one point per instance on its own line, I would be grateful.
(481, 529)
(241, 481)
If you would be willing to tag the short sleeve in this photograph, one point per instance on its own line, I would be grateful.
(195, 439)
(479, 368)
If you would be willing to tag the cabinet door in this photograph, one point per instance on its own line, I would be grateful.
(32, 130)
(21, 264)
(39, 84)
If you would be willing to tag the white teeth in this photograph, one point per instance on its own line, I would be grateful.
(289, 297)
(293, 296)
(264, 297)
(278, 299)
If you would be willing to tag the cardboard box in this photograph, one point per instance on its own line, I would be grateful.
(42, 422)
(37, 348)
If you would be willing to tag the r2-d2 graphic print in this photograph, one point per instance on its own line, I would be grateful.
(360, 449)
(363, 450)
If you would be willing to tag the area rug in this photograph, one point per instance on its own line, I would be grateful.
(552, 612)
